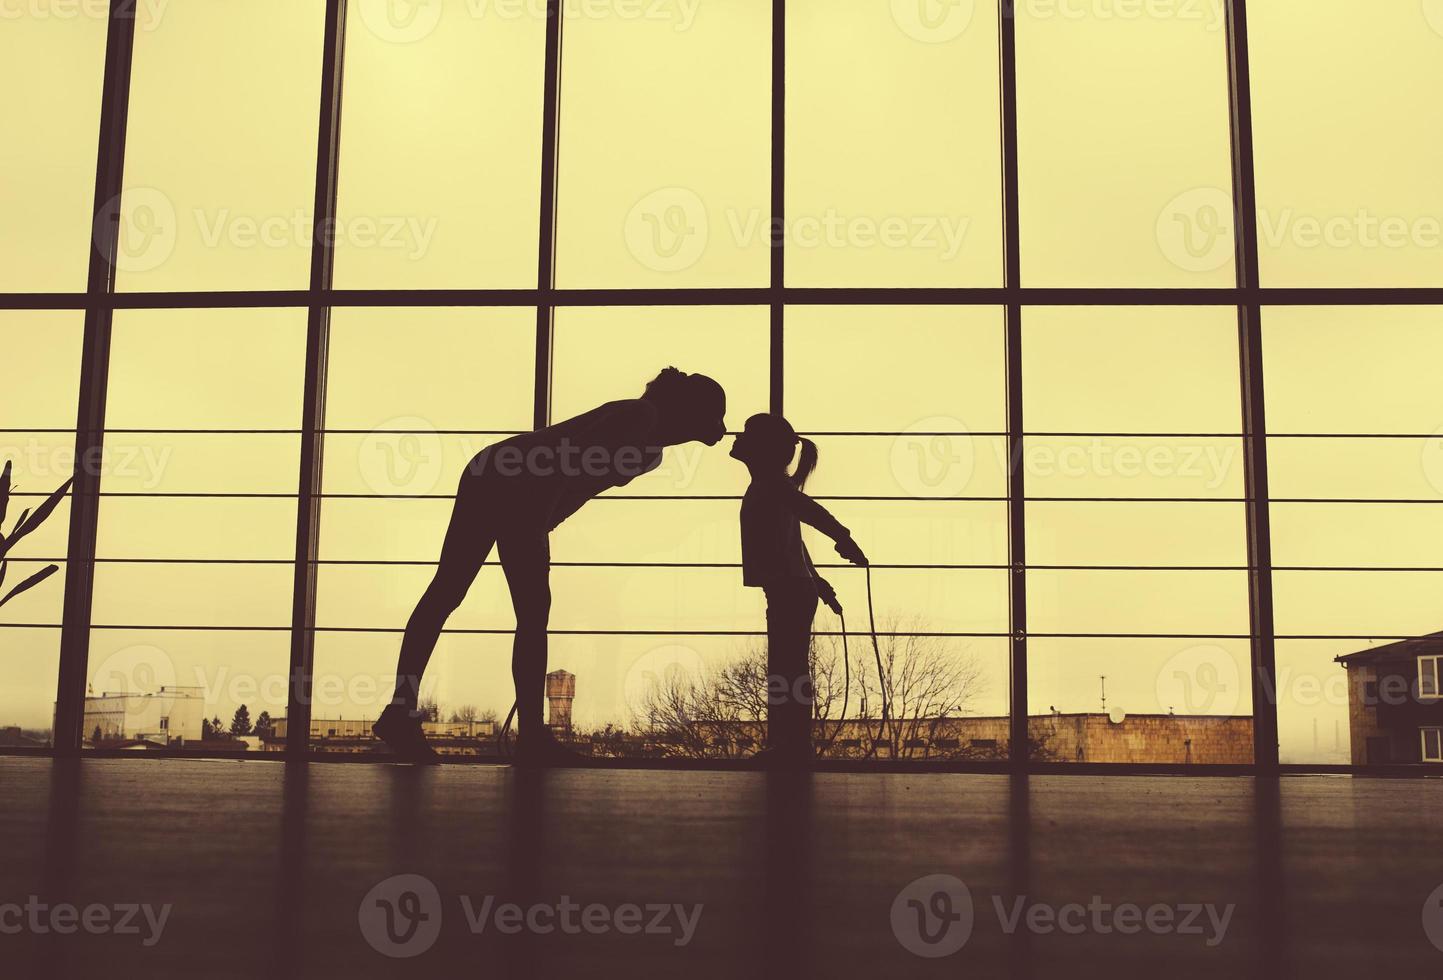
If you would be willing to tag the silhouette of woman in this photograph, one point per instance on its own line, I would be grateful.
(511, 495)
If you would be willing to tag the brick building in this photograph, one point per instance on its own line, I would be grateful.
(1395, 702)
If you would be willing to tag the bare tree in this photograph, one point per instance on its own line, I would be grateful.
(721, 712)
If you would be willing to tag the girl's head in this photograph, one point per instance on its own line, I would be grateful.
(768, 442)
(690, 406)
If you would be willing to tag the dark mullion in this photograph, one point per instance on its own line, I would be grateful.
(1016, 484)
(1254, 416)
(313, 411)
(94, 381)
(777, 239)
(546, 244)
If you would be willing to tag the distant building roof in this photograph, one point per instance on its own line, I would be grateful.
(1397, 650)
(12, 737)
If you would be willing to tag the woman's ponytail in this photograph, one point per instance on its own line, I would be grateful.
(806, 462)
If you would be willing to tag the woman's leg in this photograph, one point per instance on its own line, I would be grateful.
(468, 542)
(526, 560)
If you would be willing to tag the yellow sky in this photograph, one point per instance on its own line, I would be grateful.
(893, 180)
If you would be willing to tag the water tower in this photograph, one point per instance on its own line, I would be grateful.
(560, 692)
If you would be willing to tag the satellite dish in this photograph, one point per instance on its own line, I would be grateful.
(1117, 716)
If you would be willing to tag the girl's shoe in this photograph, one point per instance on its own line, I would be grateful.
(545, 752)
(403, 734)
(782, 759)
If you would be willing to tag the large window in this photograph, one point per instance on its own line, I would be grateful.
(1121, 363)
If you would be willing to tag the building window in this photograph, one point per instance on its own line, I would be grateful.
(1428, 671)
(1432, 744)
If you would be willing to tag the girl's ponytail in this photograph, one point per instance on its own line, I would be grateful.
(806, 462)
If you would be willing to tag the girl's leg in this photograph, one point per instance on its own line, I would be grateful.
(789, 638)
(526, 559)
(468, 543)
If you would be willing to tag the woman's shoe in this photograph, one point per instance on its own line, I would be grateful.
(404, 736)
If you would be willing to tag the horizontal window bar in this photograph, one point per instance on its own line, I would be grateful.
(876, 566)
(839, 434)
(736, 296)
(864, 498)
(954, 634)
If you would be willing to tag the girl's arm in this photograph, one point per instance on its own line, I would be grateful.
(825, 591)
(813, 514)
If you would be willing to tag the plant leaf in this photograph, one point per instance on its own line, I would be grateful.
(5, 542)
(4, 494)
(31, 582)
(41, 512)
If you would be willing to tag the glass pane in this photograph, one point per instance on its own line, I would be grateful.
(1313, 702)
(1125, 170)
(212, 691)
(1149, 369)
(1150, 701)
(441, 147)
(412, 396)
(918, 464)
(664, 169)
(31, 659)
(1345, 581)
(50, 67)
(196, 540)
(43, 349)
(220, 167)
(1142, 572)
(1356, 202)
(1360, 370)
(895, 369)
(602, 354)
(881, 197)
(452, 369)
(39, 395)
(1397, 468)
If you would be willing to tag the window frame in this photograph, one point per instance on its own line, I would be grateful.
(1437, 734)
(1248, 297)
(1435, 661)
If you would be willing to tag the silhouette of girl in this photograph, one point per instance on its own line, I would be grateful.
(511, 495)
(775, 560)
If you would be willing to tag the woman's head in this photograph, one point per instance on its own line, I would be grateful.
(690, 406)
(769, 441)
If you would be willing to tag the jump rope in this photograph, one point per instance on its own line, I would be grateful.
(846, 683)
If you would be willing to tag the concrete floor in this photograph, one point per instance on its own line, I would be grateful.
(274, 871)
